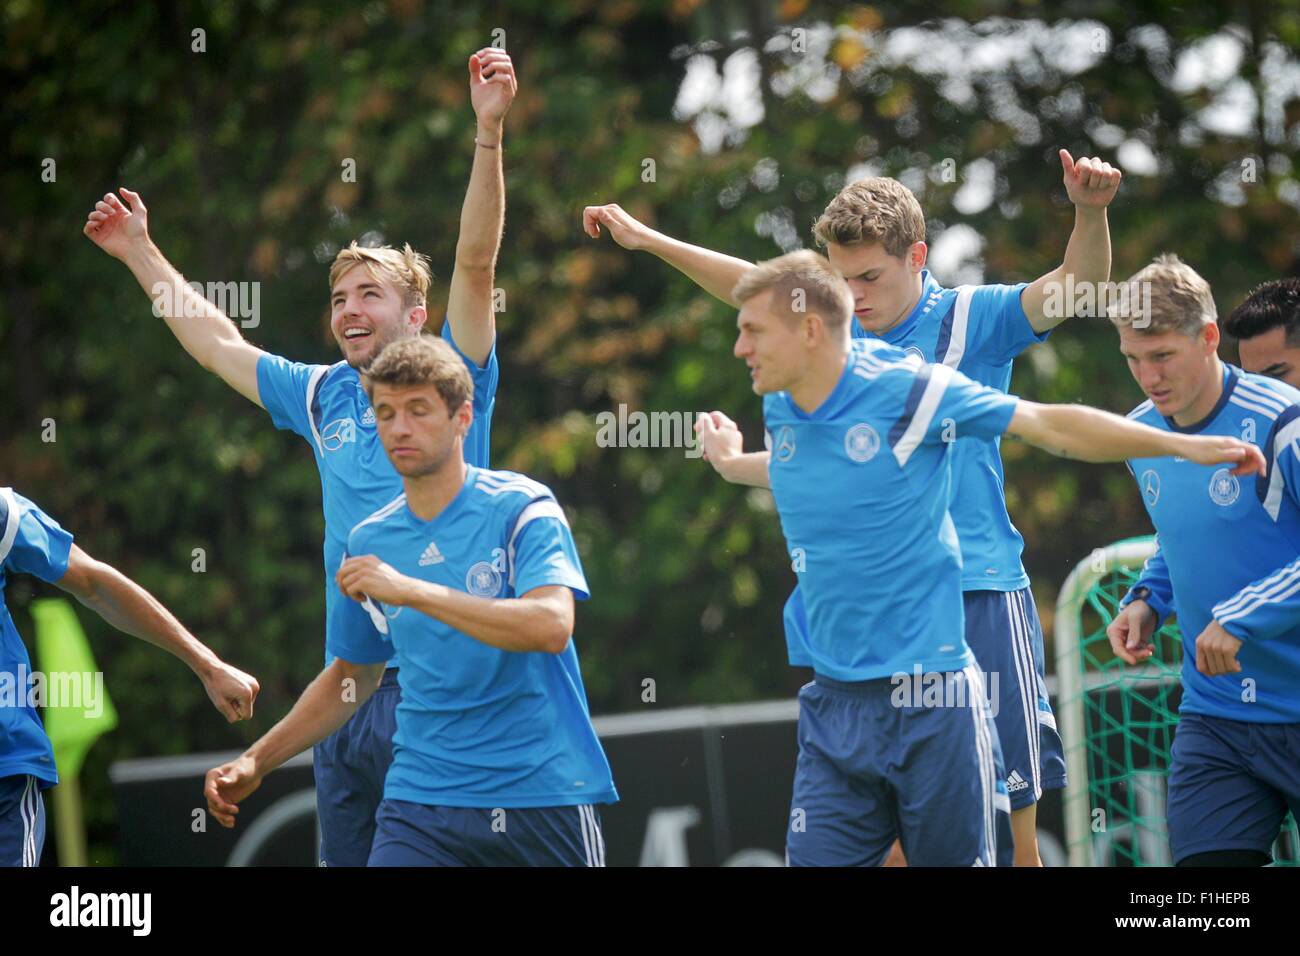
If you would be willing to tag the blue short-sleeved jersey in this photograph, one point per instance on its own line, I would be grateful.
(862, 485)
(1230, 550)
(478, 726)
(327, 405)
(978, 330)
(31, 542)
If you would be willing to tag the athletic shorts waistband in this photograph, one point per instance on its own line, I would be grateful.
(862, 688)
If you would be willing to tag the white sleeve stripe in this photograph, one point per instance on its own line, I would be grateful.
(1289, 435)
(545, 508)
(960, 323)
(377, 616)
(11, 522)
(1243, 402)
(1261, 395)
(1279, 578)
(1269, 589)
(1286, 438)
(313, 387)
(940, 376)
(1259, 602)
(542, 508)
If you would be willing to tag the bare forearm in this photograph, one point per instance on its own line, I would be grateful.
(482, 215)
(197, 324)
(133, 610)
(511, 624)
(325, 706)
(714, 272)
(202, 329)
(482, 219)
(1050, 301)
(750, 469)
(1089, 434)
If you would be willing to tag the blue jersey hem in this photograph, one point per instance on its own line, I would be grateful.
(518, 802)
(936, 666)
(996, 584)
(43, 774)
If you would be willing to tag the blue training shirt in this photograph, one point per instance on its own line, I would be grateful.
(862, 486)
(31, 542)
(1229, 550)
(978, 330)
(327, 405)
(478, 726)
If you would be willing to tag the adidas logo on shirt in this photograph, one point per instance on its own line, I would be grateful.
(431, 556)
(1016, 782)
(369, 417)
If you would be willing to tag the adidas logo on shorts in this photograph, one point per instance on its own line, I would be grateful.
(1016, 782)
(431, 556)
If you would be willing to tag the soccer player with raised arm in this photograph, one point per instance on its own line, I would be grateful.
(31, 542)
(471, 574)
(862, 437)
(377, 296)
(1266, 326)
(874, 234)
(1228, 565)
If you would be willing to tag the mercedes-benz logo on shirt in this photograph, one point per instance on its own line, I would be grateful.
(861, 442)
(1224, 488)
(784, 450)
(338, 433)
(914, 350)
(1150, 487)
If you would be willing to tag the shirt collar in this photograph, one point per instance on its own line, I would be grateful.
(930, 293)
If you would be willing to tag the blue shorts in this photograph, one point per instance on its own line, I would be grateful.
(872, 768)
(412, 834)
(1004, 634)
(22, 821)
(350, 765)
(1230, 784)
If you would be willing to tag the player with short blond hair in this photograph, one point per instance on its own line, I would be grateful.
(1227, 566)
(377, 296)
(860, 467)
(874, 235)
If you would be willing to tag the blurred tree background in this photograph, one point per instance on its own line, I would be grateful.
(753, 112)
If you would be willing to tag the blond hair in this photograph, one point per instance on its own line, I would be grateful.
(872, 210)
(405, 270)
(800, 282)
(1179, 299)
(421, 360)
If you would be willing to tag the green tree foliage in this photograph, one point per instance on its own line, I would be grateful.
(239, 151)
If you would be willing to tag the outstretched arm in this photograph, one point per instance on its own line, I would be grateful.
(482, 217)
(133, 610)
(714, 272)
(1091, 185)
(1089, 434)
(202, 329)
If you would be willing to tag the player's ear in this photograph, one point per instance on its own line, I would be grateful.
(417, 317)
(464, 417)
(1211, 337)
(916, 256)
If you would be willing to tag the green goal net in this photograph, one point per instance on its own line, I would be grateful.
(1117, 722)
